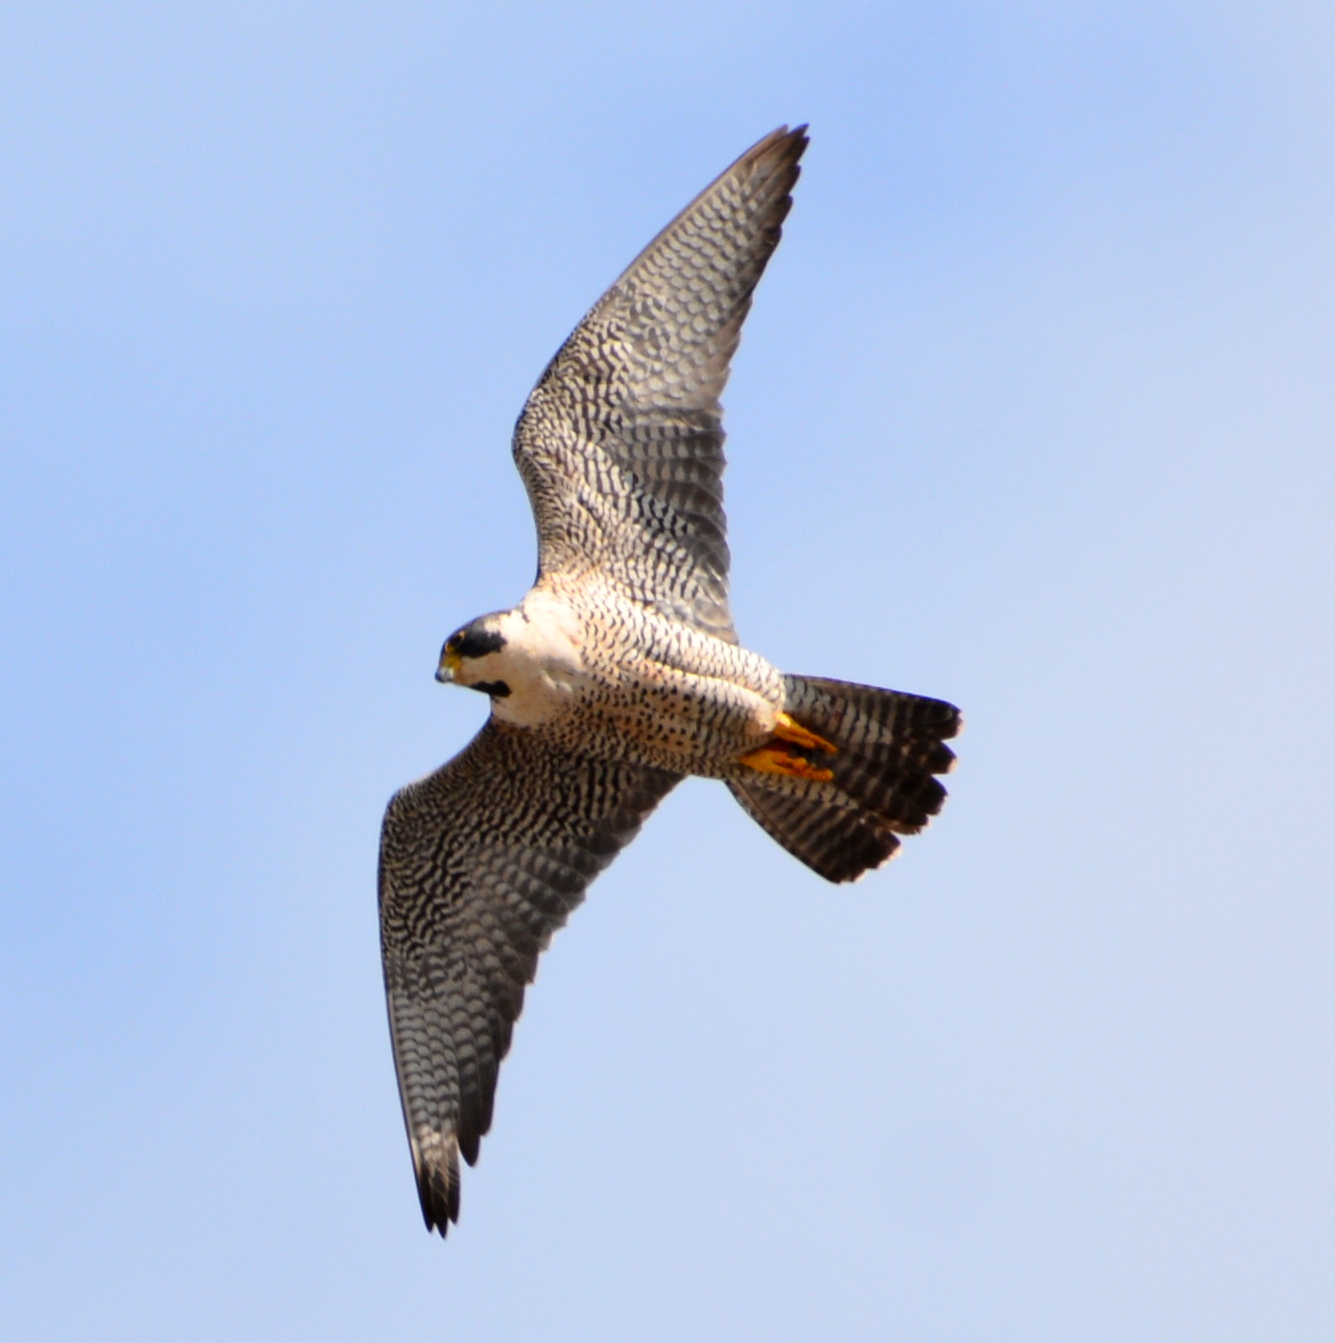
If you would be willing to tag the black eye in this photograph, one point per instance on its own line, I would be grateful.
(496, 688)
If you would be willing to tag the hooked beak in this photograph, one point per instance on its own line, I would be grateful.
(448, 668)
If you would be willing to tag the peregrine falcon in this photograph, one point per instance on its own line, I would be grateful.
(619, 674)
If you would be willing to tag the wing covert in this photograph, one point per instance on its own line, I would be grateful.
(480, 863)
(620, 444)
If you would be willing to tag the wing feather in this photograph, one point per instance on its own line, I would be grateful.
(480, 863)
(620, 444)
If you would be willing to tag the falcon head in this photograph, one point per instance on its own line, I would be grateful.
(473, 656)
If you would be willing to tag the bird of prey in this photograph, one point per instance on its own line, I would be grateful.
(619, 674)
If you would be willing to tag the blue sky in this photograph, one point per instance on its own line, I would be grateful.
(1034, 412)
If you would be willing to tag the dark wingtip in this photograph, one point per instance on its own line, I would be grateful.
(437, 1215)
(438, 1193)
(785, 144)
(470, 1140)
(793, 134)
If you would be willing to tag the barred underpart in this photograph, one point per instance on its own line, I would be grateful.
(621, 443)
(480, 863)
(619, 674)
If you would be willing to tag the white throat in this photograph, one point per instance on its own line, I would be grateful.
(541, 662)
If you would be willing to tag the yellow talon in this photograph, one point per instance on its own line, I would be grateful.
(785, 729)
(777, 760)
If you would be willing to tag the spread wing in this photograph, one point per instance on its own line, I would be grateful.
(621, 442)
(480, 863)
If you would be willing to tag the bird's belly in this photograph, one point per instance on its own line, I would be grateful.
(675, 720)
(647, 689)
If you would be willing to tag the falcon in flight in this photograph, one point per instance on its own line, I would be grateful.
(619, 674)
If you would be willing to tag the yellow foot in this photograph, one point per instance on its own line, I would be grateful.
(779, 760)
(787, 730)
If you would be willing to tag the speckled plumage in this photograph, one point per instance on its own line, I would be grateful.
(619, 674)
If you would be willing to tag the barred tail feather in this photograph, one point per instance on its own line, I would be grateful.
(890, 747)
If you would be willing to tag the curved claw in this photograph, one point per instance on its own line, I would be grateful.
(777, 759)
(786, 729)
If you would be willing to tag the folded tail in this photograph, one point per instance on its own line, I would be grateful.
(889, 746)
